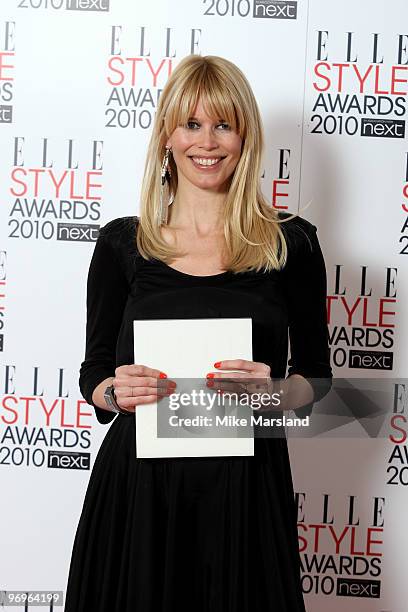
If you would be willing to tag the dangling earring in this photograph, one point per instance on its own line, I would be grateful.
(165, 196)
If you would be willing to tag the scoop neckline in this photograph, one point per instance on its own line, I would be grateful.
(193, 276)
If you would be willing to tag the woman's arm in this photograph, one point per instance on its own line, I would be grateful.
(296, 393)
(306, 292)
(98, 394)
(107, 291)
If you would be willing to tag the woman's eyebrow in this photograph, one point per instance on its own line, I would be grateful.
(216, 121)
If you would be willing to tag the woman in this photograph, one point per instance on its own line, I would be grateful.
(208, 534)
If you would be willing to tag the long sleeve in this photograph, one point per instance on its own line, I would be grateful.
(107, 291)
(306, 289)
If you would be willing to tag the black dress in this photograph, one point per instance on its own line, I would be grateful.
(203, 534)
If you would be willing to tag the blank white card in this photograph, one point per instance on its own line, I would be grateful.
(188, 348)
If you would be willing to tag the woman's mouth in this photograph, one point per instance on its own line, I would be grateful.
(206, 162)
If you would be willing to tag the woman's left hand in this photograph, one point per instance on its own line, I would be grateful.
(248, 377)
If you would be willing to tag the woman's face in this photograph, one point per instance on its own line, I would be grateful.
(205, 151)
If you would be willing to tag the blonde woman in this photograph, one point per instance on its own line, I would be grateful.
(208, 534)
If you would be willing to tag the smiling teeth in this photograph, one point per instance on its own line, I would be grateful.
(206, 162)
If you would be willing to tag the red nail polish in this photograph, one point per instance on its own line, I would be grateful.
(217, 364)
(210, 383)
(162, 375)
(210, 375)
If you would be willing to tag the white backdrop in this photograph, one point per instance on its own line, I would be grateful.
(79, 83)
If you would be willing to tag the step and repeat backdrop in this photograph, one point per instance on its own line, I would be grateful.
(79, 86)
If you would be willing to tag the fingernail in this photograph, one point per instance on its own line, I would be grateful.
(210, 375)
(210, 383)
(162, 375)
(217, 364)
(171, 384)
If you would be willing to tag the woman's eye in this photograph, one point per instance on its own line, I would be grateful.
(224, 126)
(191, 125)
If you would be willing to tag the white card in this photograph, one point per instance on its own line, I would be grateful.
(188, 348)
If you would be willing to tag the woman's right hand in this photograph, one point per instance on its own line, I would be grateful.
(138, 384)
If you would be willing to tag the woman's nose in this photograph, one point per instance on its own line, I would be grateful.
(208, 138)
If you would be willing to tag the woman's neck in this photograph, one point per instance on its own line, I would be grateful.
(198, 210)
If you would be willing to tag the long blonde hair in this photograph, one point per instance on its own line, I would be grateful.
(254, 239)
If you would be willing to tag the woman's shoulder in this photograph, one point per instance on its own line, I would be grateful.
(117, 228)
(300, 234)
(120, 234)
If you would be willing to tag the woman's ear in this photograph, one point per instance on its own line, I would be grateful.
(168, 144)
